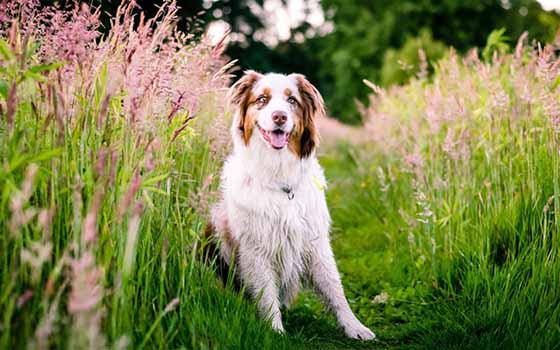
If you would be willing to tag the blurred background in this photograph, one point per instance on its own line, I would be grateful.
(338, 43)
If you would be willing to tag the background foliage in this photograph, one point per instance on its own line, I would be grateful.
(371, 39)
(366, 30)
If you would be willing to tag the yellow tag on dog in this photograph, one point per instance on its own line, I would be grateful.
(318, 183)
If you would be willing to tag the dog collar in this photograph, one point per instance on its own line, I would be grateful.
(288, 190)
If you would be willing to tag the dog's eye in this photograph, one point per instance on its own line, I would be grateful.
(261, 100)
(292, 100)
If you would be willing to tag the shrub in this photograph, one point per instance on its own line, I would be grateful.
(413, 58)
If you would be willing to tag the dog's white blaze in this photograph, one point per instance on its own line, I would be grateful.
(277, 84)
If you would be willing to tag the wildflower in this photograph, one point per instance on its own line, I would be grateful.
(100, 164)
(84, 303)
(546, 70)
(382, 180)
(70, 36)
(86, 291)
(11, 103)
(416, 162)
(423, 72)
(37, 254)
(202, 199)
(129, 196)
(522, 87)
(377, 89)
(113, 166)
(426, 214)
(90, 222)
(410, 238)
(131, 239)
(548, 204)
(453, 66)
(24, 298)
(45, 221)
(22, 216)
(500, 99)
(519, 45)
(171, 306)
(551, 106)
(46, 324)
(456, 146)
(471, 58)
(382, 298)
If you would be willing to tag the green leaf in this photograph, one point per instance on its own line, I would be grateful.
(34, 76)
(34, 72)
(155, 189)
(556, 82)
(497, 41)
(55, 152)
(15, 163)
(45, 67)
(32, 49)
(155, 180)
(6, 51)
(4, 89)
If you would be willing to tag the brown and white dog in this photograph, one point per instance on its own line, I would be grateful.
(273, 221)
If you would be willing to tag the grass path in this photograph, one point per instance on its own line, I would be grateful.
(364, 255)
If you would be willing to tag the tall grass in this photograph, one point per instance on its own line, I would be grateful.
(463, 173)
(446, 221)
(104, 184)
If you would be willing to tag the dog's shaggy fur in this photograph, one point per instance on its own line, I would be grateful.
(273, 221)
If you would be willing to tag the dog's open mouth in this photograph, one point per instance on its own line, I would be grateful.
(278, 138)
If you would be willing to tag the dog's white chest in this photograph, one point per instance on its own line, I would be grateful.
(273, 218)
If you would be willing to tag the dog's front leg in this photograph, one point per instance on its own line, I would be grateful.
(256, 273)
(326, 279)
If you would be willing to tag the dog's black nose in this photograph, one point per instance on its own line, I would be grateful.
(279, 117)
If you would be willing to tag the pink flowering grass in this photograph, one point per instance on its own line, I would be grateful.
(458, 186)
(470, 119)
(110, 147)
(102, 166)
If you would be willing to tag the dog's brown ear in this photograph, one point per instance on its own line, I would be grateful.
(240, 95)
(242, 88)
(313, 108)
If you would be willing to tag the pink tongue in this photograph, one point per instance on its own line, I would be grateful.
(278, 140)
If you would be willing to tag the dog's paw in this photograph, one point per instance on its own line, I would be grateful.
(359, 331)
(277, 326)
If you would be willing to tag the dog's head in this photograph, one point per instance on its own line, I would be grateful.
(281, 109)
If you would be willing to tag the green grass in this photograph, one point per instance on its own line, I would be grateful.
(446, 237)
(499, 293)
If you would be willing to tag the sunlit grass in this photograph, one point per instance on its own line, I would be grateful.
(445, 223)
(105, 182)
(453, 209)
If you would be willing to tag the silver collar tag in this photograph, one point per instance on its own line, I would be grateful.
(289, 191)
